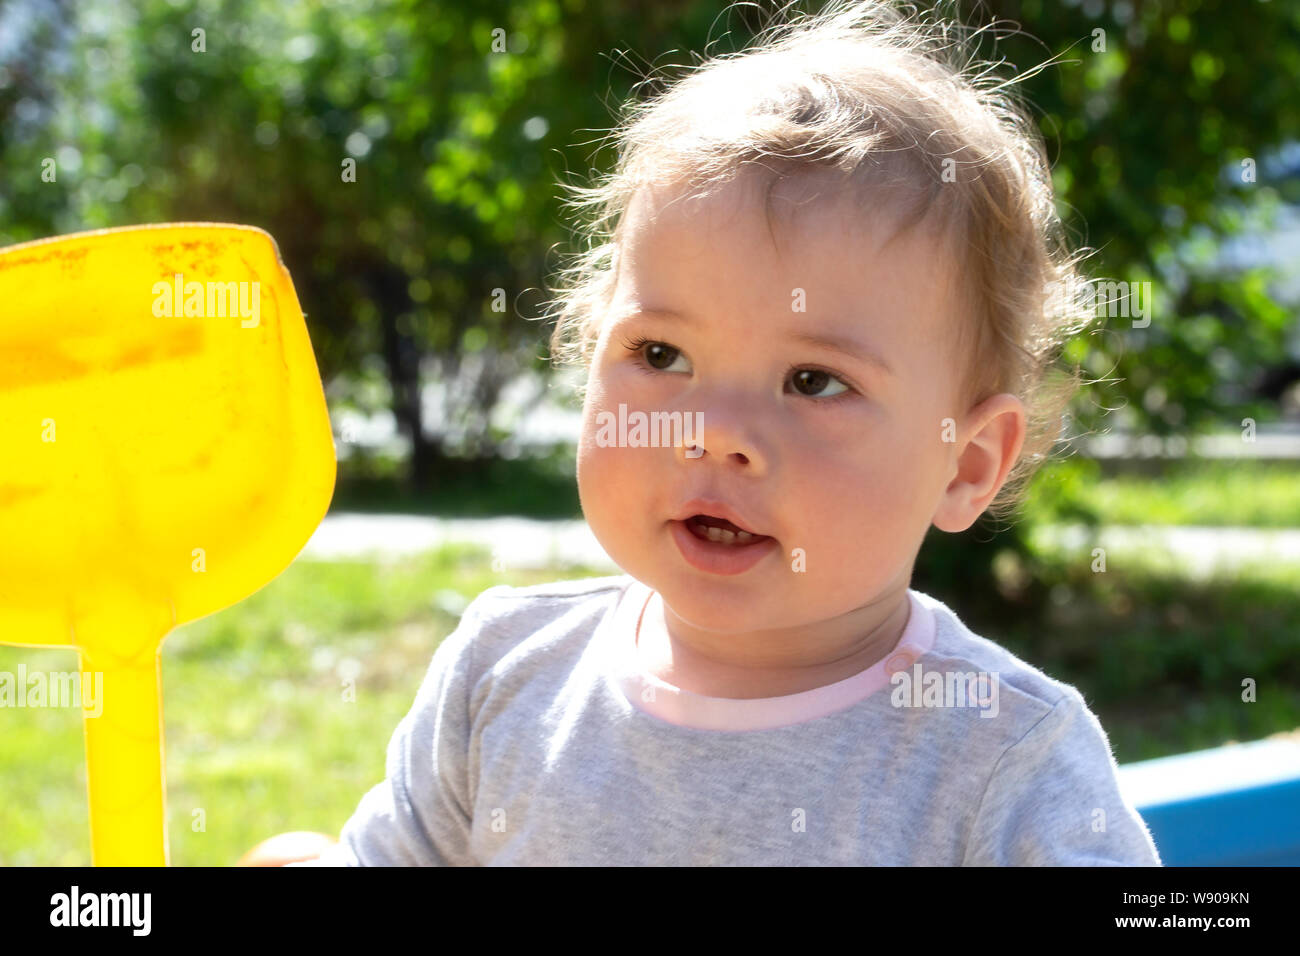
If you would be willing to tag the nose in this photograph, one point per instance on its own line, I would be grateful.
(723, 433)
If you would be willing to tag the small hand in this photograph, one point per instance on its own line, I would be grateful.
(287, 848)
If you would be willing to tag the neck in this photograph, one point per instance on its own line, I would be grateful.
(769, 663)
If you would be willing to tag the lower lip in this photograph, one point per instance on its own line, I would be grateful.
(716, 558)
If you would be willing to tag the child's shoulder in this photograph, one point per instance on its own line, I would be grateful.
(1023, 688)
(563, 590)
(503, 616)
(504, 602)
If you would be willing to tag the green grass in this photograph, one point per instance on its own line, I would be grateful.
(1252, 493)
(1162, 660)
(1213, 492)
(259, 737)
(542, 487)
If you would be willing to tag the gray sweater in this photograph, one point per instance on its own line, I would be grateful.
(535, 740)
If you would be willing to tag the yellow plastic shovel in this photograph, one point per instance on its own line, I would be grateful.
(165, 451)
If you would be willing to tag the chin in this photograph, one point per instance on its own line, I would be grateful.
(713, 603)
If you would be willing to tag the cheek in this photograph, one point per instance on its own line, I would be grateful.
(876, 486)
(609, 383)
(604, 474)
(621, 380)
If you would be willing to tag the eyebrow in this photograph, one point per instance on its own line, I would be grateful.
(834, 343)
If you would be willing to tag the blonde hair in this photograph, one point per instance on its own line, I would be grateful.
(884, 98)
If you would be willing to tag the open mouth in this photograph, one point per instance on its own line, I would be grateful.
(721, 531)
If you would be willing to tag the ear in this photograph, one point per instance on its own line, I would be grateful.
(988, 444)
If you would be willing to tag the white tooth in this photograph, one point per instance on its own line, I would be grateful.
(724, 535)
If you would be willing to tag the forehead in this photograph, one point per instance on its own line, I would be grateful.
(812, 207)
(750, 245)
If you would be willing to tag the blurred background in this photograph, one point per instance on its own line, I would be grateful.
(1174, 132)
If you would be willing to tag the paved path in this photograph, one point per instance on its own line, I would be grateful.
(517, 542)
(533, 543)
(1195, 551)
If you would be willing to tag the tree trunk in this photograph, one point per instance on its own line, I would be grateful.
(402, 360)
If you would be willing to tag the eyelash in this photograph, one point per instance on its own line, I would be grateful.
(640, 342)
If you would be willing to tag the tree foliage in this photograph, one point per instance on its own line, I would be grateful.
(461, 116)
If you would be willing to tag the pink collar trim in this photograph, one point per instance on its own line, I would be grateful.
(688, 709)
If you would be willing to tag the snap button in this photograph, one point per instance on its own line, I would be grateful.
(900, 661)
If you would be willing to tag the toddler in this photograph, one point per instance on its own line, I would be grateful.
(836, 252)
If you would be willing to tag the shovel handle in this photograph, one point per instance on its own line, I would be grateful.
(124, 764)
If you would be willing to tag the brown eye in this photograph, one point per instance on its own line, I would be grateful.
(660, 356)
(811, 381)
(814, 381)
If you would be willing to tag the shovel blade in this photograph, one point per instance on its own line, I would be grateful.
(166, 440)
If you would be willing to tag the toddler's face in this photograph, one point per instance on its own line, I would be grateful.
(845, 470)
